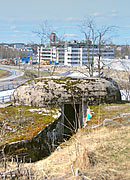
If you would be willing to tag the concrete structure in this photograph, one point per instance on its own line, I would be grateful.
(71, 94)
(56, 91)
(72, 53)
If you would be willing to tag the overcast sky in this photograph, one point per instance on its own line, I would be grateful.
(19, 18)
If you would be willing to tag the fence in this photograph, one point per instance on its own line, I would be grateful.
(9, 86)
(6, 98)
(107, 121)
(6, 87)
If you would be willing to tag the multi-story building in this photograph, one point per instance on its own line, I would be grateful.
(72, 53)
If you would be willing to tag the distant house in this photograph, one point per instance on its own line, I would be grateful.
(18, 45)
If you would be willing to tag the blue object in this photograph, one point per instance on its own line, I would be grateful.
(53, 63)
(88, 116)
(25, 59)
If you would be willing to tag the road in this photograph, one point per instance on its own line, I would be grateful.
(17, 73)
(14, 73)
(8, 82)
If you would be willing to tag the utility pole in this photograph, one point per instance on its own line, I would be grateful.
(1, 53)
(18, 58)
(39, 59)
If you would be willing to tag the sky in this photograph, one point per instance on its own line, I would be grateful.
(19, 19)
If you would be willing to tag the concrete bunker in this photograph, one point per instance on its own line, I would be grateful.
(72, 95)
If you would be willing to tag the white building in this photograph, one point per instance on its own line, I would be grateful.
(72, 53)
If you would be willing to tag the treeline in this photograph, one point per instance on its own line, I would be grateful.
(120, 51)
(11, 53)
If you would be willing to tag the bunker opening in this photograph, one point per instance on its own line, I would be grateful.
(72, 119)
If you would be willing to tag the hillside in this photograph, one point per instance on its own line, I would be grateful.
(94, 154)
(101, 154)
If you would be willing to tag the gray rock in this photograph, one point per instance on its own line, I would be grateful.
(56, 91)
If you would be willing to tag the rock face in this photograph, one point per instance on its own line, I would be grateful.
(56, 91)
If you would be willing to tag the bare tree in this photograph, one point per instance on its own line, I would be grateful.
(44, 34)
(95, 38)
(6, 52)
(104, 42)
(88, 28)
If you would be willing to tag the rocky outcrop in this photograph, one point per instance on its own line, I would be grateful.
(56, 91)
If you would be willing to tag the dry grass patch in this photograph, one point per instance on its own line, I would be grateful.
(108, 111)
(100, 154)
(4, 73)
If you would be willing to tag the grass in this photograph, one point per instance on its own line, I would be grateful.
(23, 122)
(4, 73)
(117, 74)
(97, 154)
(34, 73)
(107, 111)
(101, 154)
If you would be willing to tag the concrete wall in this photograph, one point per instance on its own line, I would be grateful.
(38, 147)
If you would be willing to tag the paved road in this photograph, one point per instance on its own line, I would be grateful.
(14, 73)
(8, 82)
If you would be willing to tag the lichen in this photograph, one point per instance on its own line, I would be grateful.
(24, 122)
(70, 85)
